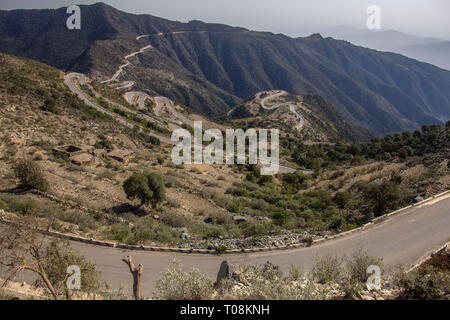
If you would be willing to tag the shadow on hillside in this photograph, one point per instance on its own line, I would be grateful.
(15, 190)
(126, 208)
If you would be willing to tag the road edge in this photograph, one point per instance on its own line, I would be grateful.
(110, 244)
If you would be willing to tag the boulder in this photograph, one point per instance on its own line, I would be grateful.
(239, 219)
(224, 272)
(185, 236)
(208, 220)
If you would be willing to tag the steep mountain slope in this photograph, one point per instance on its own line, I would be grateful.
(214, 70)
(304, 117)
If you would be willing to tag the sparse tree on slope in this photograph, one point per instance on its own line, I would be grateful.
(148, 188)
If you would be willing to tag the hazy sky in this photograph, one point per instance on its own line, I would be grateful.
(428, 18)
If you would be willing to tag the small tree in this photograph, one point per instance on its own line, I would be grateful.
(147, 188)
(23, 247)
(156, 184)
(58, 257)
(30, 175)
(136, 187)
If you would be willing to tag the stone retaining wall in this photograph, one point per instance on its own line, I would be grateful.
(430, 256)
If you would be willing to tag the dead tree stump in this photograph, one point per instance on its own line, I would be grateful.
(136, 273)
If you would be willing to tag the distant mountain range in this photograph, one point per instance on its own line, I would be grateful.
(430, 50)
(212, 67)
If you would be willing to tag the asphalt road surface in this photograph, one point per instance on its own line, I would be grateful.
(402, 239)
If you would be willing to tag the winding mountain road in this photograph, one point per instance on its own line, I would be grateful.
(401, 239)
(291, 106)
(138, 97)
(70, 80)
(263, 101)
(166, 102)
(128, 84)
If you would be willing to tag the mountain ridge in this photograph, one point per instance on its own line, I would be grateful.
(215, 70)
(434, 51)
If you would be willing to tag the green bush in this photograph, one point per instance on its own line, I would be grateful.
(175, 220)
(233, 207)
(156, 184)
(427, 285)
(153, 140)
(341, 198)
(255, 229)
(293, 182)
(259, 204)
(265, 179)
(25, 206)
(142, 232)
(358, 264)
(50, 106)
(385, 195)
(30, 175)
(238, 192)
(177, 284)
(85, 222)
(280, 216)
(336, 222)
